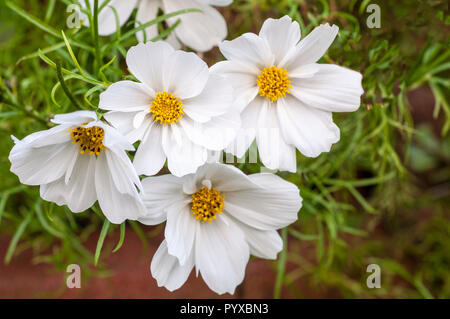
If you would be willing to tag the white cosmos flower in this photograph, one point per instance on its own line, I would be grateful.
(216, 218)
(179, 111)
(107, 23)
(286, 99)
(198, 30)
(79, 161)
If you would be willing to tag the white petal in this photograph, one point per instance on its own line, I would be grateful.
(55, 135)
(123, 122)
(215, 99)
(150, 157)
(126, 96)
(183, 156)
(113, 139)
(263, 243)
(159, 194)
(192, 182)
(332, 88)
(123, 164)
(225, 178)
(185, 74)
(274, 150)
(282, 35)
(156, 216)
(180, 231)
(304, 71)
(71, 166)
(221, 3)
(198, 30)
(78, 193)
(139, 118)
(107, 18)
(214, 156)
(122, 173)
(36, 166)
(248, 49)
(221, 254)
(272, 205)
(116, 204)
(239, 146)
(74, 118)
(147, 11)
(312, 47)
(167, 271)
(146, 62)
(246, 135)
(215, 134)
(311, 130)
(242, 78)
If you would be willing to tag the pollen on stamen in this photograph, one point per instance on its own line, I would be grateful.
(166, 108)
(274, 83)
(90, 139)
(207, 204)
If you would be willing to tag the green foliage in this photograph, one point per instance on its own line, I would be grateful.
(362, 202)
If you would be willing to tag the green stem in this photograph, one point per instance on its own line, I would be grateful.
(64, 87)
(101, 240)
(98, 54)
(281, 266)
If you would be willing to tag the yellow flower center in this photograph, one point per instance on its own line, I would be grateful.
(273, 83)
(166, 108)
(89, 138)
(207, 204)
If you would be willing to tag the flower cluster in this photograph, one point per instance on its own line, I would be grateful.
(270, 89)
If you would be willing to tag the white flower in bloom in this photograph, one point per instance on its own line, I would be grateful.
(179, 111)
(107, 23)
(286, 99)
(216, 218)
(79, 161)
(198, 30)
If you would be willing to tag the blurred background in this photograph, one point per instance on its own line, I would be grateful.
(381, 196)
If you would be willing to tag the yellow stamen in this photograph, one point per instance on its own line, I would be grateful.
(166, 108)
(89, 138)
(274, 83)
(207, 204)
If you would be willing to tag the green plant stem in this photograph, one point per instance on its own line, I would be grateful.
(281, 265)
(98, 53)
(101, 240)
(64, 87)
